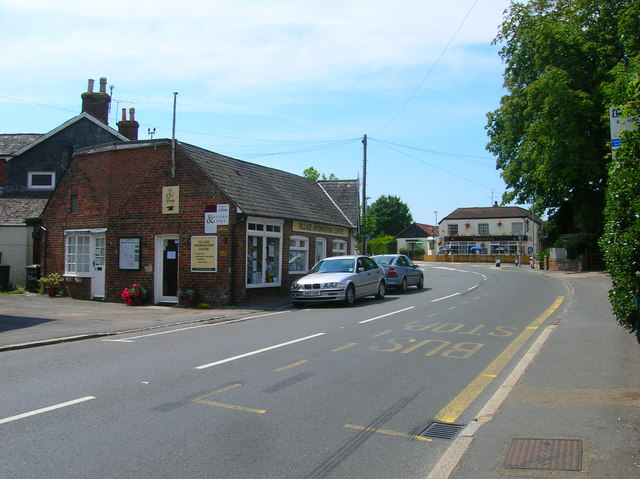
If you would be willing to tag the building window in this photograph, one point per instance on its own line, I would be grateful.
(298, 254)
(74, 204)
(483, 229)
(77, 255)
(41, 180)
(339, 247)
(452, 229)
(517, 228)
(321, 249)
(264, 253)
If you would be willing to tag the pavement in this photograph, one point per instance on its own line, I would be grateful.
(570, 408)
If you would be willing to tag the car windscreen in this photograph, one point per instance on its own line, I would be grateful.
(334, 266)
(383, 259)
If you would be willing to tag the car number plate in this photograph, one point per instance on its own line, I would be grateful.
(316, 292)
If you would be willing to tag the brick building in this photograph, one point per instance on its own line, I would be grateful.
(171, 215)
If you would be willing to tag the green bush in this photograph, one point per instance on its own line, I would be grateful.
(418, 252)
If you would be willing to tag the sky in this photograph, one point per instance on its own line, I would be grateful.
(289, 84)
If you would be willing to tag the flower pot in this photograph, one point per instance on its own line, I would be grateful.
(52, 291)
(138, 300)
(188, 302)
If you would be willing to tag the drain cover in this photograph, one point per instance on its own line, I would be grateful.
(441, 430)
(545, 454)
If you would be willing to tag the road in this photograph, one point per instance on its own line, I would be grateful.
(299, 393)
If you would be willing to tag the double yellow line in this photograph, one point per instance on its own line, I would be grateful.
(454, 409)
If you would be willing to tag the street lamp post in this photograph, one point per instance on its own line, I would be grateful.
(436, 242)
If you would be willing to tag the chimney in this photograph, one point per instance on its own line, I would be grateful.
(97, 104)
(128, 128)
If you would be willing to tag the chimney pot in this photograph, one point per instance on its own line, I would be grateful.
(90, 87)
(124, 114)
(103, 85)
(132, 113)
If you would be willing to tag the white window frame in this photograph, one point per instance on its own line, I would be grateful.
(517, 228)
(72, 264)
(339, 247)
(484, 226)
(295, 246)
(264, 228)
(321, 251)
(452, 229)
(51, 186)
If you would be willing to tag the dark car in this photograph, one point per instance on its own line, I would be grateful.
(340, 278)
(400, 271)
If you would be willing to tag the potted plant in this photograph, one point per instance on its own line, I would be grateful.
(51, 283)
(187, 295)
(134, 295)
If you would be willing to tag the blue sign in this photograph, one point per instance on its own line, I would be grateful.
(616, 143)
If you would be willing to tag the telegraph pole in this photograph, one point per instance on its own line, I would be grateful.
(364, 195)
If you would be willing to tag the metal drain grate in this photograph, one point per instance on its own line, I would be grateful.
(441, 430)
(545, 454)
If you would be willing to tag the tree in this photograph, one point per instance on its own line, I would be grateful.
(313, 174)
(388, 215)
(550, 133)
(621, 239)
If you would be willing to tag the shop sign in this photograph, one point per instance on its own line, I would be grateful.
(204, 254)
(320, 229)
(170, 200)
(214, 218)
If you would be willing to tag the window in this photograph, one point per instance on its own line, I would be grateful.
(74, 204)
(339, 247)
(321, 249)
(264, 250)
(41, 180)
(77, 255)
(483, 229)
(517, 228)
(452, 229)
(298, 254)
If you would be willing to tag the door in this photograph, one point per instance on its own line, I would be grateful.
(98, 248)
(166, 269)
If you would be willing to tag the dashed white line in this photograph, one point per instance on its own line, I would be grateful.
(45, 409)
(445, 297)
(385, 315)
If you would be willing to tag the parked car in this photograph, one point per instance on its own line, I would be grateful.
(340, 278)
(400, 271)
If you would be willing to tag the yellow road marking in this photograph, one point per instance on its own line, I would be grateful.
(388, 432)
(289, 366)
(452, 411)
(432, 315)
(450, 308)
(383, 333)
(202, 400)
(343, 347)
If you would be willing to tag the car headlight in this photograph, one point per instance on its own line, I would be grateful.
(335, 284)
(295, 285)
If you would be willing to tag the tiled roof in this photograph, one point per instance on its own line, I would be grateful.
(346, 195)
(490, 212)
(418, 230)
(268, 192)
(13, 211)
(12, 142)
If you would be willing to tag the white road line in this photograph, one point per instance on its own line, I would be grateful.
(445, 297)
(385, 315)
(240, 356)
(45, 409)
(473, 287)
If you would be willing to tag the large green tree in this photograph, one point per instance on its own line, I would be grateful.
(550, 134)
(388, 216)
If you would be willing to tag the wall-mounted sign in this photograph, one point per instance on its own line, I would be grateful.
(170, 200)
(320, 229)
(214, 218)
(204, 254)
(129, 253)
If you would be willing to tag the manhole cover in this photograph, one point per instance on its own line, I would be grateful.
(545, 454)
(441, 430)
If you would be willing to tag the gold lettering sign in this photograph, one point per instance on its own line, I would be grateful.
(170, 200)
(204, 253)
(320, 229)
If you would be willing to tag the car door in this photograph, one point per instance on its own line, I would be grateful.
(367, 279)
(412, 272)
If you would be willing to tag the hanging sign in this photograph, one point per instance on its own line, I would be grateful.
(170, 200)
(214, 218)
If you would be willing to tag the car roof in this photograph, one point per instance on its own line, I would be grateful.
(350, 256)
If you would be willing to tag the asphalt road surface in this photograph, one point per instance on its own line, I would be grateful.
(325, 391)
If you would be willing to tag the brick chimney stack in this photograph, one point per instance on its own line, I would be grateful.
(128, 128)
(97, 104)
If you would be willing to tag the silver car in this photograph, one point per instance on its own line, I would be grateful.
(340, 278)
(400, 271)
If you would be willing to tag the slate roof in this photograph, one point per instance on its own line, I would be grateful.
(346, 194)
(13, 211)
(12, 142)
(418, 230)
(490, 212)
(262, 191)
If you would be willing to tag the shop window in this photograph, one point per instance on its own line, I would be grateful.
(298, 254)
(77, 255)
(339, 247)
(264, 253)
(321, 249)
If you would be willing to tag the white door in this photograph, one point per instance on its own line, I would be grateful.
(98, 248)
(165, 286)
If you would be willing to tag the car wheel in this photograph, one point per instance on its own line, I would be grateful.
(350, 295)
(382, 290)
(403, 286)
(420, 284)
